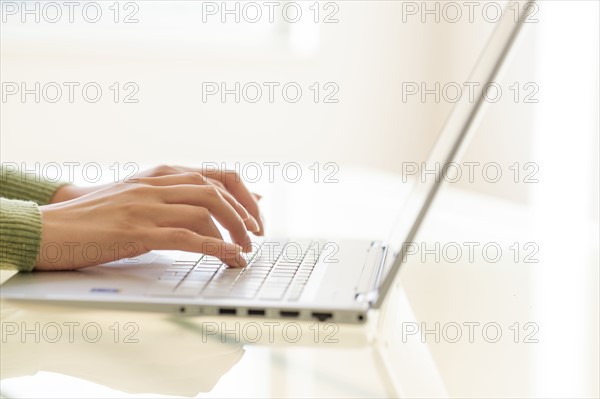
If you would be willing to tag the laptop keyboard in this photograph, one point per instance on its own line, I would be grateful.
(277, 269)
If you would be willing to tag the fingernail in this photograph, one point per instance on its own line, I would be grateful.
(254, 227)
(261, 230)
(240, 261)
(248, 247)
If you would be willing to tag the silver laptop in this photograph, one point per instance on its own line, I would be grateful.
(285, 278)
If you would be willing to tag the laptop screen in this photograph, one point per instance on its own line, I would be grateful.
(460, 125)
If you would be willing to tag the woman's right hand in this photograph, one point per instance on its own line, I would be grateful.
(128, 219)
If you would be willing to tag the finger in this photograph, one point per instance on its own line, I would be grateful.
(197, 178)
(194, 218)
(232, 181)
(252, 224)
(249, 221)
(186, 240)
(210, 198)
(217, 183)
(258, 197)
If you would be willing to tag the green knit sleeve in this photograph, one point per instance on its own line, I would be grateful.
(27, 186)
(20, 234)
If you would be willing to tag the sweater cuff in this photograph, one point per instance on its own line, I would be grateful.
(20, 234)
(35, 190)
(27, 186)
(41, 192)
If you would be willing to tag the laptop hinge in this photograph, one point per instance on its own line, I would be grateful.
(370, 277)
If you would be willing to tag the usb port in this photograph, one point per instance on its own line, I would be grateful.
(227, 311)
(256, 312)
(322, 316)
(289, 313)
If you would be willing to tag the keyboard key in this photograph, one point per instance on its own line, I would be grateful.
(174, 279)
(210, 260)
(215, 294)
(285, 267)
(202, 272)
(271, 295)
(258, 269)
(278, 279)
(229, 272)
(189, 257)
(252, 277)
(180, 266)
(242, 295)
(192, 284)
(288, 263)
(262, 264)
(246, 287)
(240, 290)
(294, 293)
(201, 266)
(283, 272)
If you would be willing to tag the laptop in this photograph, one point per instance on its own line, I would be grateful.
(285, 278)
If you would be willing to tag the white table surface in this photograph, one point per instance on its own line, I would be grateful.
(177, 357)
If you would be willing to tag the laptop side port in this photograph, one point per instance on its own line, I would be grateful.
(229, 311)
(289, 313)
(322, 316)
(256, 312)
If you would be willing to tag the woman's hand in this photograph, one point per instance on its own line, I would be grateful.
(128, 219)
(226, 180)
